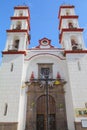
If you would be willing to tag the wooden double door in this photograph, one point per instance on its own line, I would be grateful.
(41, 122)
(46, 119)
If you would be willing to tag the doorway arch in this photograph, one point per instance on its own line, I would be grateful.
(41, 113)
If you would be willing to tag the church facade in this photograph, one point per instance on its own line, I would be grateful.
(44, 88)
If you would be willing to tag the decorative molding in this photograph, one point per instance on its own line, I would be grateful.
(19, 17)
(16, 30)
(21, 7)
(41, 54)
(13, 52)
(74, 52)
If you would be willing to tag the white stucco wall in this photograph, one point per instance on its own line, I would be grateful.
(24, 11)
(10, 84)
(77, 79)
(43, 56)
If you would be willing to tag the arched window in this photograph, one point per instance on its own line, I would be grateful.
(16, 44)
(70, 25)
(18, 27)
(74, 44)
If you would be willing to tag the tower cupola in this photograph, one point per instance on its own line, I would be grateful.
(70, 33)
(18, 36)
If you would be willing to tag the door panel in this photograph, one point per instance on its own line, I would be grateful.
(42, 113)
(40, 122)
(52, 122)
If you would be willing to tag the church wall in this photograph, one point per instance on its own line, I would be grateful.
(22, 108)
(10, 83)
(77, 71)
(68, 101)
(33, 65)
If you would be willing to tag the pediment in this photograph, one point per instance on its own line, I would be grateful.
(45, 43)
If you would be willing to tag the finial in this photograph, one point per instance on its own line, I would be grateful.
(58, 75)
(32, 76)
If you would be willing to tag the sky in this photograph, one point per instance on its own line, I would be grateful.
(44, 19)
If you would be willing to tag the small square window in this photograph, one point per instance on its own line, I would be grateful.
(45, 70)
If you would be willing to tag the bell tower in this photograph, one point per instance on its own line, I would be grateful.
(18, 36)
(71, 39)
(70, 33)
(12, 98)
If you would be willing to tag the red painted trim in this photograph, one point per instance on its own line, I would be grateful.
(44, 55)
(48, 40)
(21, 7)
(14, 52)
(72, 29)
(74, 52)
(67, 17)
(69, 30)
(19, 17)
(15, 30)
(29, 13)
(59, 13)
(70, 17)
(65, 6)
